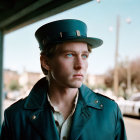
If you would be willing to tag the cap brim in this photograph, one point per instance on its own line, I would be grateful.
(93, 42)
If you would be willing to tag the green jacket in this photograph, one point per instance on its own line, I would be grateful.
(96, 118)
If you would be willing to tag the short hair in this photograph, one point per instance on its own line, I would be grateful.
(50, 51)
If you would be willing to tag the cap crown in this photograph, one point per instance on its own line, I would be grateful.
(65, 30)
(59, 31)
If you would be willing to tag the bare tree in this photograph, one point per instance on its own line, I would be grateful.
(122, 75)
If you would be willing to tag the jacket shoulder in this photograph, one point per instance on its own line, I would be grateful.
(105, 99)
(94, 99)
(103, 96)
(107, 102)
(18, 105)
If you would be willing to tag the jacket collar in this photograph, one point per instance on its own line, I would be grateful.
(90, 98)
(87, 106)
(37, 98)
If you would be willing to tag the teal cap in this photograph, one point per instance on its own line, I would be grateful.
(65, 30)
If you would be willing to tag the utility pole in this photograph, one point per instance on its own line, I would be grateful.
(116, 79)
(129, 88)
(128, 77)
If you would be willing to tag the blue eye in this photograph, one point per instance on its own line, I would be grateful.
(84, 56)
(69, 55)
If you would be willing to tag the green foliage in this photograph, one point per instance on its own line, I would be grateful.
(100, 86)
(14, 85)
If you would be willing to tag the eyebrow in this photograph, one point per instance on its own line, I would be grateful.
(65, 51)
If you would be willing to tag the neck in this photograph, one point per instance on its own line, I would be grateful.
(62, 97)
(59, 94)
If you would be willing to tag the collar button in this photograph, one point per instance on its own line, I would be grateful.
(96, 101)
(101, 105)
(33, 117)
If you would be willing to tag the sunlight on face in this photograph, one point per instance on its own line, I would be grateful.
(69, 65)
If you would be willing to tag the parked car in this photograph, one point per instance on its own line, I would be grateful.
(130, 106)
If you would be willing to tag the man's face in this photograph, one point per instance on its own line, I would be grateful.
(69, 65)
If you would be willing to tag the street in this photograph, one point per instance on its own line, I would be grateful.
(132, 128)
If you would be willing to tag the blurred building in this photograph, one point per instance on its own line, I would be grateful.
(28, 79)
(94, 80)
(9, 76)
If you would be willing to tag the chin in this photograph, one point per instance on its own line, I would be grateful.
(76, 84)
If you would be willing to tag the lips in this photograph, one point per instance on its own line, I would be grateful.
(78, 75)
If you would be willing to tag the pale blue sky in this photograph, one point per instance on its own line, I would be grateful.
(21, 48)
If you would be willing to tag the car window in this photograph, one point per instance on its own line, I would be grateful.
(137, 98)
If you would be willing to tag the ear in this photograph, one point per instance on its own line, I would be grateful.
(44, 62)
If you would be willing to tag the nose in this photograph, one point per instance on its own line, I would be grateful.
(78, 63)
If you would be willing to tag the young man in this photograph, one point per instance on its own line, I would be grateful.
(60, 107)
